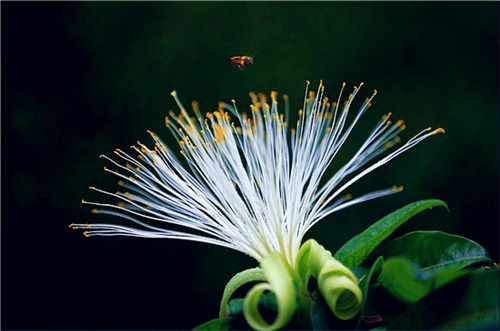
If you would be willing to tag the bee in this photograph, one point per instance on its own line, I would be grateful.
(242, 61)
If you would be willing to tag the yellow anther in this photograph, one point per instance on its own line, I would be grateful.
(397, 188)
(438, 130)
(329, 129)
(94, 211)
(120, 204)
(72, 225)
(91, 187)
(397, 139)
(388, 144)
(308, 82)
(388, 123)
(343, 84)
(348, 196)
(399, 122)
(403, 126)
(233, 101)
(171, 113)
(101, 156)
(86, 234)
(285, 96)
(375, 92)
(292, 130)
(83, 201)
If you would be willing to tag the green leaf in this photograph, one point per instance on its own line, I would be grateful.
(408, 283)
(471, 302)
(364, 284)
(236, 306)
(356, 250)
(240, 279)
(435, 251)
(359, 272)
(322, 317)
(224, 323)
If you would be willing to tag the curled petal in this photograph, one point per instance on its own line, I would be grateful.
(280, 282)
(336, 282)
(240, 279)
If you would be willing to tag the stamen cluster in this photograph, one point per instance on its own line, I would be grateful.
(253, 184)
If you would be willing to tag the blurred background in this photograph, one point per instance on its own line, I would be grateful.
(83, 78)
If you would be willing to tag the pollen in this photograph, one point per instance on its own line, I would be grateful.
(438, 130)
(397, 188)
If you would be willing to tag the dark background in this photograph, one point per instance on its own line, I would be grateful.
(80, 79)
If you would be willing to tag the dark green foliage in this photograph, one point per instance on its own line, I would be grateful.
(421, 280)
(356, 250)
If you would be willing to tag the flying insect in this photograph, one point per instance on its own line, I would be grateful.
(242, 61)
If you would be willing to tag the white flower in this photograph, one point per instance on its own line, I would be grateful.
(251, 186)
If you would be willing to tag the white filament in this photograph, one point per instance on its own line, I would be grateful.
(247, 188)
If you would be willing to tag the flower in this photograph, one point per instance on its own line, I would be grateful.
(253, 184)
(254, 188)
